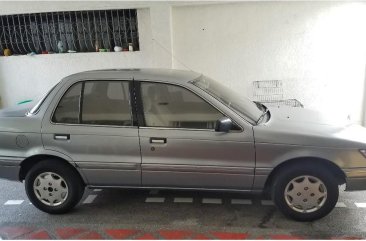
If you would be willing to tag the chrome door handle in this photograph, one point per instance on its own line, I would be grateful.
(158, 140)
(62, 137)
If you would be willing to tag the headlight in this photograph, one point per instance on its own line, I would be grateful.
(363, 152)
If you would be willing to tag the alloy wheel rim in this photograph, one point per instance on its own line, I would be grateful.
(50, 188)
(305, 194)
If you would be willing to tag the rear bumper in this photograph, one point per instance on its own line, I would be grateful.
(9, 168)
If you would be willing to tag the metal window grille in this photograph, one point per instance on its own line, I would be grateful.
(270, 93)
(268, 90)
(81, 31)
(287, 102)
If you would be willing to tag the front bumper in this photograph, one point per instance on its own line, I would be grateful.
(9, 168)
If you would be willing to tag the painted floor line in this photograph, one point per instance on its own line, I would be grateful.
(90, 199)
(183, 200)
(155, 200)
(241, 201)
(267, 203)
(13, 202)
(360, 205)
(211, 201)
(340, 205)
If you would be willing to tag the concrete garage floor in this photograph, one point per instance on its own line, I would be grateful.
(144, 214)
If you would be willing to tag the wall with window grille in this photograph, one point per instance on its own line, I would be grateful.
(24, 77)
(80, 31)
(317, 49)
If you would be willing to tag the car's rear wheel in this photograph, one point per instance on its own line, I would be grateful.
(304, 192)
(53, 187)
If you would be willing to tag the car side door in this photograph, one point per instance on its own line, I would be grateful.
(179, 144)
(92, 122)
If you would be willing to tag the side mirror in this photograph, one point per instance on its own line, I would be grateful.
(224, 124)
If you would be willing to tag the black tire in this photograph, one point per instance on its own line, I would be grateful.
(290, 172)
(74, 183)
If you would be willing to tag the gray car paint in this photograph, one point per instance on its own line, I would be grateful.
(238, 160)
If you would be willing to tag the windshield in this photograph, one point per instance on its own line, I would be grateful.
(235, 100)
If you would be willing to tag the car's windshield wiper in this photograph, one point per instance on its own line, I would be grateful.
(266, 110)
(259, 105)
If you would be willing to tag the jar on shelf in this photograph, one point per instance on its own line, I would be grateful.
(96, 45)
(7, 52)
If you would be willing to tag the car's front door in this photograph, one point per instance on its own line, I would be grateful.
(179, 145)
(93, 124)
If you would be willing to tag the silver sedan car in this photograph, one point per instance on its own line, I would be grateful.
(171, 129)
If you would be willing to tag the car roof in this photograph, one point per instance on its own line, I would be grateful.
(169, 75)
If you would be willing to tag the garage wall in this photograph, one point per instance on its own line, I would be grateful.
(364, 102)
(318, 49)
(30, 77)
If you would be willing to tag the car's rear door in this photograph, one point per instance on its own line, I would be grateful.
(180, 147)
(93, 123)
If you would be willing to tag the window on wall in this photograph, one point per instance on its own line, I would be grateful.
(80, 31)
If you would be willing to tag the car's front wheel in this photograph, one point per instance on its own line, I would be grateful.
(304, 192)
(53, 187)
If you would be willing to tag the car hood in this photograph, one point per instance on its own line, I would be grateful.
(16, 111)
(298, 126)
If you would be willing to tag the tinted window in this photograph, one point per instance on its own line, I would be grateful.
(67, 110)
(173, 106)
(106, 103)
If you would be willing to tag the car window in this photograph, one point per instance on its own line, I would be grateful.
(232, 98)
(103, 103)
(106, 103)
(172, 106)
(67, 111)
(40, 102)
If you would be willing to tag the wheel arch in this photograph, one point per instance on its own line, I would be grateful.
(27, 164)
(321, 162)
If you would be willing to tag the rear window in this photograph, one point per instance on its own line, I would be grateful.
(68, 108)
(95, 103)
(35, 109)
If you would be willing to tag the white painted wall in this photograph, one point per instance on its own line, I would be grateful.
(318, 49)
(364, 102)
(30, 77)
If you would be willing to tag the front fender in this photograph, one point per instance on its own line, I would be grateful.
(269, 156)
